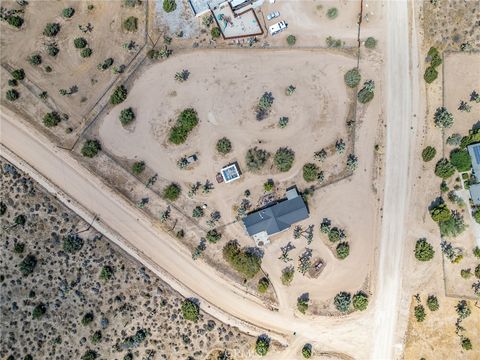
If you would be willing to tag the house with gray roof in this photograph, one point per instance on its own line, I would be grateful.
(474, 152)
(276, 218)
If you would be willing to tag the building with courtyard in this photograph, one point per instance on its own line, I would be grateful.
(474, 152)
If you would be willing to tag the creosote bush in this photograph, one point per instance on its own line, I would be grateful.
(352, 78)
(119, 95)
(190, 310)
(287, 275)
(310, 172)
(366, 93)
(224, 146)
(68, 12)
(12, 95)
(460, 158)
(428, 153)
(186, 122)
(443, 118)
(342, 301)
(169, 5)
(291, 40)
(91, 148)
(51, 119)
(215, 32)
(256, 158)
(430, 74)
(360, 301)
(126, 116)
(423, 250)
(432, 303)
(85, 53)
(332, 13)
(18, 74)
(343, 250)
(72, 243)
(444, 169)
(307, 351)
(263, 285)
(35, 59)
(213, 236)
(79, 42)
(106, 273)
(172, 192)
(419, 312)
(370, 43)
(246, 261)
(28, 264)
(138, 167)
(262, 345)
(87, 318)
(284, 158)
(39, 311)
(51, 29)
(130, 24)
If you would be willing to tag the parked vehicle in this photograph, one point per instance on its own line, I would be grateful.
(273, 15)
(278, 27)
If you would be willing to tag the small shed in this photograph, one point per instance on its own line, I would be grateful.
(230, 173)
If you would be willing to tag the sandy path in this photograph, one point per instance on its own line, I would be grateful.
(402, 99)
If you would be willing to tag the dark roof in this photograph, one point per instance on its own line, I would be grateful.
(276, 218)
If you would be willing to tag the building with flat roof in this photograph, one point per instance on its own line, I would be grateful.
(276, 218)
(474, 152)
(230, 172)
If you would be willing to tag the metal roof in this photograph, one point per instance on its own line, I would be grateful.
(276, 218)
(474, 151)
(475, 193)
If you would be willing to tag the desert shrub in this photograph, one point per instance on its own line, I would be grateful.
(256, 158)
(430, 74)
(39, 311)
(432, 303)
(52, 49)
(215, 32)
(444, 169)
(310, 172)
(463, 309)
(3, 208)
(89, 355)
(343, 250)
(15, 20)
(360, 301)
(307, 351)
(51, 29)
(454, 139)
(370, 43)
(264, 105)
(283, 122)
(466, 343)
(477, 271)
(472, 138)
(428, 153)
(335, 234)
(466, 273)
(291, 40)
(51, 119)
(461, 160)
(213, 236)
(85, 53)
(20, 220)
(127, 116)
(96, 337)
(91, 148)
(133, 341)
(342, 301)
(87, 318)
(18, 74)
(169, 5)
(190, 310)
(119, 95)
(366, 93)
(224, 146)
(332, 13)
(352, 162)
(172, 192)
(452, 227)
(302, 303)
(419, 312)
(262, 345)
(476, 252)
(290, 90)
(72, 243)
(244, 260)
(79, 42)
(440, 213)
(182, 76)
(130, 23)
(263, 285)
(423, 250)
(106, 64)
(68, 12)
(186, 121)
(287, 275)
(12, 95)
(18, 248)
(28, 264)
(138, 167)
(333, 43)
(352, 78)
(443, 118)
(132, 3)
(35, 59)
(284, 158)
(106, 273)
(198, 212)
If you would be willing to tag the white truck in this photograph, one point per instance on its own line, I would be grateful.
(278, 27)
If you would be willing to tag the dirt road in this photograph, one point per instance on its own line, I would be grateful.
(402, 99)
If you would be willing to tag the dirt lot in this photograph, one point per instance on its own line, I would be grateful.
(69, 285)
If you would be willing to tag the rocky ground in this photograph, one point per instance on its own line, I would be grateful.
(43, 312)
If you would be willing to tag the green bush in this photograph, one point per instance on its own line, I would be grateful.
(307, 351)
(263, 285)
(352, 77)
(68, 12)
(91, 148)
(96, 337)
(28, 264)
(440, 213)
(89, 354)
(343, 250)
(428, 153)
(476, 250)
(80, 42)
(287, 275)
(35, 59)
(370, 43)
(198, 212)
(127, 116)
(39, 311)
(119, 95)
(256, 158)
(215, 32)
(18, 74)
(366, 93)
(444, 169)
(302, 303)
(291, 40)
(283, 122)
(169, 5)
(15, 21)
(51, 29)
(284, 158)
(172, 192)
(466, 343)
(342, 301)
(477, 271)
(52, 50)
(262, 345)
(224, 146)
(360, 301)
(452, 227)
(332, 13)
(106, 64)
(18, 248)
(186, 121)
(87, 318)
(106, 273)
(138, 167)
(430, 74)
(310, 172)
(72, 243)
(423, 250)
(130, 23)
(419, 312)
(213, 236)
(443, 118)
(51, 119)
(246, 261)
(85, 53)
(12, 95)
(432, 303)
(190, 310)
(461, 160)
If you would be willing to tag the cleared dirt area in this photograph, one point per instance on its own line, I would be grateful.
(224, 89)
